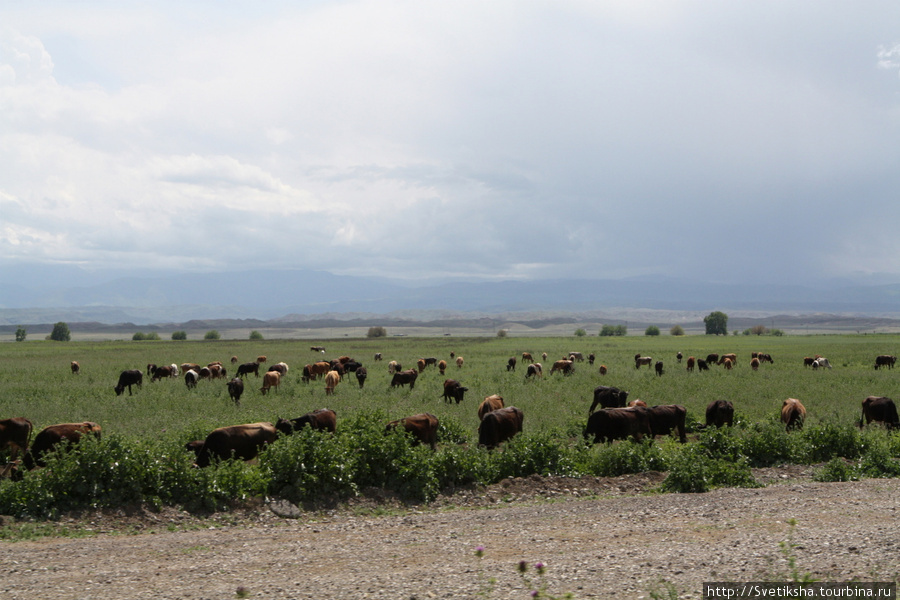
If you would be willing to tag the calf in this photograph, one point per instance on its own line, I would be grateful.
(323, 419)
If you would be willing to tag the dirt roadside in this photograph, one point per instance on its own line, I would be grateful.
(598, 537)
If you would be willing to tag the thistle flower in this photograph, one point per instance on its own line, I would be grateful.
(479, 551)
(523, 566)
(539, 567)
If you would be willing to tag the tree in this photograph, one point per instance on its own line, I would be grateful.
(61, 332)
(616, 330)
(758, 329)
(716, 323)
(212, 334)
(376, 332)
(20, 334)
(255, 335)
(138, 337)
(580, 332)
(502, 333)
(652, 330)
(179, 335)
(676, 330)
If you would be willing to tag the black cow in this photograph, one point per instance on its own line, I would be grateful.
(499, 425)
(712, 359)
(702, 365)
(719, 413)
(665, 418)
(247, 368)
(511, 364)
(885, 360)
(534, 370)
(14, 434)
(361, 375)
(405, 378)
(323, 419)
(236, 389)
(880, 409)
(608, 397)
(610, 424)
(127, 379)
(453, 390)
(659, 367)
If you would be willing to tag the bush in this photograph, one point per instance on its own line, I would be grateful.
(626, 457)
(255, 335)
(613, 330)
(61, 332)
(580, 332)
(376, 332)
(676, 330)
(21, 334)
(212, 334)
(652, 330)
(179, 335)
(692, 470)
(836, 469)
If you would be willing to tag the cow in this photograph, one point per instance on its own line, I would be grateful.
(317, 348)
(394, 367)
(361, 375)
(754, 363)
(636, 402)
(272, 379)
(591, 359)
(793, 413)
(821, 362)
(881, 410)
(659, 367)
(453, 390)
(235, 389)
(423, 428)
(678, 357)
(185, 367)
(576, 356)
(566, 367)
(544, 356)
(14, 434)
(603, 370)
(191, 377)
(261, 359)
(534, 370)
(611, 424)
(127, 379)
(732, 357)
(76, 368)
(405, 378)
(499, 425)
(332, 378)
(378, 356)
(51, 436)
(691, 361)
(607, 396)
(420, 364)
(884, 360)
(712, 359)
(719, 413)
(489, 404)
(511, 364)
(665, 418)
(640, 361)
(204, 373)
(442, 366)
(351, 366)
(217, 371)
(234, 360)
(702, 365)
(459, 362)
(247, 368)
(728, 363)
(323, 419)
(808, 361)
(765, 357)
(526, 356)
(281, 367)
(236, 441)
(160, 372)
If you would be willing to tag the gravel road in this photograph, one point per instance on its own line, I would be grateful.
(599, 538)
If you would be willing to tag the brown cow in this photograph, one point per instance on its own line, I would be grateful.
(160, 372)
(394, 367)
(640, 361)
(489, 404)
(499, 425)
(185, 367)
(423, 428)
(234, 360)
(332, 378)
(527, 356)
(323, 419)
(76, 368)
(260, 359)
(534, 370)
(731, 356)
(712, 359)
(564, 366)
(272, 379)
(217, 371)
(453, 390)
(690, 364)
(719, 413)
(728, 363)
(420, 364)
(14, 434)
(51, 436)
(637, 402)
(459, 362)
(793, 413)
(319, 369)
(405, 378)
(665, 418)
(236, 389)
(237, 441)
(442, 366)
(880, 409)
(378, 356)
(754, 363)
(603, 370)
(611, 424)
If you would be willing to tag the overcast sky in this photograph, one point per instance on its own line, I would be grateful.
(726, 141)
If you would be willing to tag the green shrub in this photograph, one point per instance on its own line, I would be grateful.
(825, 441)
(626, 457)
(837, 469)
(768, 444)
(542, 453)
(309, 465)
(692, 469)
(179, 335)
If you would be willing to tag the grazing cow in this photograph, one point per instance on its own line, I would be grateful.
(235, 389)
(566, 367)
(793, 413)
(281, 368)
(185, 367)
(453, 390)
(317, 348)
(659, 367)
(361, 375)
(712, 359)
(272, 379)
(544, 356)
(205, 373)
(127, 379)
(76, 368)
(442, 366)
(14, 434)
(489, 404)
(639, 361)
(217, 371)
(323, 419)
(236, 441)
(394, 367)
(591, 359)
(881, 410)
(423, 428)
(234, 360)
(191, 377)
(378, 356)
(534, 370)
(764, 357)
(420, 364)
(754, 363)
(719, 413)
(430, 361)
(576, 356)
(606, 396)
(405, 378)
(160, 372)
(618, 424)
(51, 436)
(351, 366)
(452, 354)
(665, 418)
(678, 357)
(261, 359)
(459, 362)
(702, 365)
(821, 362)
(732, 357)
(603, 370)
(499, 425)
(885, 360)
(527, 356)
(636, 402)
(511, 364)
(332, 378)
(808, 361)
(247, 368)
(691, 361)
(728, 363)
(319, 369)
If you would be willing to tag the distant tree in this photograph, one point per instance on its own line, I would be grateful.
(759, 329)
(152, 336)
(138, 337)
(613, 330)
(255, 335)
(61, 332)
(376, 332)
(676, 330)
(502, 333)
(580, 332)
(652, 330)
(212, 334)
(776, 332)
(179, 335)
(716, 323)
(21, 334)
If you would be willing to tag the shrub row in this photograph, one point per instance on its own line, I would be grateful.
(311, 466)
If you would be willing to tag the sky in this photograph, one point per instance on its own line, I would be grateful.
(723, 141)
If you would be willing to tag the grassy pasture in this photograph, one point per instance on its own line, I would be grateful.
(35, 380)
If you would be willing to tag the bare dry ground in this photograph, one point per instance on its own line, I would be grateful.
(599, 538)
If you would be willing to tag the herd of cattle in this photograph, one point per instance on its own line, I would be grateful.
(610, 416)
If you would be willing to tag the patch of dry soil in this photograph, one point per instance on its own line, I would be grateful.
(599, 537)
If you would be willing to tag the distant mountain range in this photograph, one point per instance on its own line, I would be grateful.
(40, 295)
